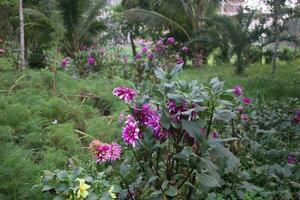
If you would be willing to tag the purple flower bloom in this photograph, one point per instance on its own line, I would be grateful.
(291, 159)
(171, 41)
(150, 56)
(131, 132)
(91, 61)
(159, 43)
(138, 56)
(126, 94)
(185, 49)
(106, 152)
(215, 135)
(247, 100)
(102, 154)
(179, 60)
(66, 62)
(244, 117)
(145, 50)
(176, 110)
(237, 90)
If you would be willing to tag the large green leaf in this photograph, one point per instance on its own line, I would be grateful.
(209, 181)
(193, 128)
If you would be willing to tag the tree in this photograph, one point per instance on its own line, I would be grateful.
(236, 30)
(22, 36)
(186, 17)
(278, 14)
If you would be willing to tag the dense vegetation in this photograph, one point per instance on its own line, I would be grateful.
(148, 100)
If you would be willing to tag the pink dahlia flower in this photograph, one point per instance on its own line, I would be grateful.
(91, 60)
(185, 49)
(126, 94)
(247, 100)
(66, 62)
(114, 152)
(131, 132)
(171, 41)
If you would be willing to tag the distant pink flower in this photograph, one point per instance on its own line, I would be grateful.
(215, 135)
(238, 90)
(138, 56)
(159, 43)
(83, 48)
(114, 152)
(291, 159)
(247, 100)
(91, 60)
(171, 41)
(125, 59)
(185, 49)
(124, 93)
(239, 109)
(144, 50)
(131, 132)
(179, 60)
(296, 118)
(150, 56)
(66, 62)
(102, 51)
(244, 117)
(2, 51)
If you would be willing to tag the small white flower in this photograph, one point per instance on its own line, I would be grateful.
(54, 122)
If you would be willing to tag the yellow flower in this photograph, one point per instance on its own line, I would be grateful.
(82, 190)
(113, 195)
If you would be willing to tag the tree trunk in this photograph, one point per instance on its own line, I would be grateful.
(22, 37)
(239, 64)
(133, 47)
(274, 58)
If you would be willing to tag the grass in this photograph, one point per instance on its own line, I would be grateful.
(256, 79)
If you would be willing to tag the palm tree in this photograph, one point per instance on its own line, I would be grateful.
(236, 30)
(72, 22)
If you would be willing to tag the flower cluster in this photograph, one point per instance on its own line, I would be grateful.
(292, 159)
(149, 117)
(105, 152)
(91, 60)
(238, 91)
(176, 110)
(124, 93)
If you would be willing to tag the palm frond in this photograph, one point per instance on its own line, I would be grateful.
(152, 18)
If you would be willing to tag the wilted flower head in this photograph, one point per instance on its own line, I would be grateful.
(247, 100)
(238, 90)
(291, 159)
(91, 60)
(94, 145)
(126, 94)
(66, 62)
(185, 49)
(171, 41)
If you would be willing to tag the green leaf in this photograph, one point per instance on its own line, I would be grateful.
(160, 74)
(176, 70)
(62, 175)
(193, 128)
(151, 179)
(165, 120)
(47, 188)
(209, 181)
(171, 191)
(156, 193)
(225, 115)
